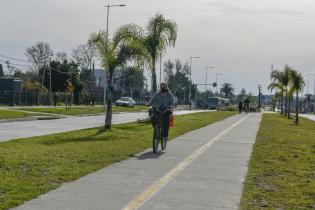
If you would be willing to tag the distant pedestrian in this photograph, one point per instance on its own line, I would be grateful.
(240, 107)
(55, 99)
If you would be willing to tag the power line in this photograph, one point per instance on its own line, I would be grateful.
(13, 64)
(15, 59)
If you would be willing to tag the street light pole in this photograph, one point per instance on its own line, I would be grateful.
(207, 67)
(190, 84)
(259, 96)
(107, 24)
(314, 94)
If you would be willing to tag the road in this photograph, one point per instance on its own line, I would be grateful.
(16, 130)
(203, 169)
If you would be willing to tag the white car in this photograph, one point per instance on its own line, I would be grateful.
(125, 101)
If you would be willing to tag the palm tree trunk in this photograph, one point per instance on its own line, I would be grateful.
(109, 108)
(154, 84)
(279, 101)
(286, 104)
(289, 107)
(282, 102)
(297, 108)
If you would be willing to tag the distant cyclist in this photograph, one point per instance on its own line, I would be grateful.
(246, 105)
(162, 103)
(240, 107)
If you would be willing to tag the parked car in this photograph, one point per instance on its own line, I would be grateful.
(125, 101)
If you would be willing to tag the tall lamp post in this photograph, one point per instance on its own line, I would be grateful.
(107, 23)
(216, 81)
(206, 85)
(259, 96)
(190, 84)
(314, 93)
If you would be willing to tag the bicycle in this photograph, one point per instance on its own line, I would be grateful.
(158, 130)
(246, 108)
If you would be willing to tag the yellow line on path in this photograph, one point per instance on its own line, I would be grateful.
(159, 184)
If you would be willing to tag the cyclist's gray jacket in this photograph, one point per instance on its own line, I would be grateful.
(162, 102)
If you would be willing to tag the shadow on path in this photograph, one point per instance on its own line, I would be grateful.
(149, 155)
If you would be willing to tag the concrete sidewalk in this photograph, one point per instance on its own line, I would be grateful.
(16, 130)
(308, 116)
(203, 169)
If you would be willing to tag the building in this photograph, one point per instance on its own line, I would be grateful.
(10, 91)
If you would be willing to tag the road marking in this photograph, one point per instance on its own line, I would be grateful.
(159, 184)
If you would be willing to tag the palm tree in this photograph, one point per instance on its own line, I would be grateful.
(297, 85)
(285, 82)
(113, 54)
(160, 33)
(277, 83)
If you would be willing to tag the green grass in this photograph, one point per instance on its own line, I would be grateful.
(9, 114)
(82, 110)
(33, 166)
(282, 168)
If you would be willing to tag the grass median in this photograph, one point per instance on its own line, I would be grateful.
(282, 168)
(82, 110)
(9, 114)
(33, 166)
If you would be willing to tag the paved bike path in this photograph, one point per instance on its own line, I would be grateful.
(203, 169)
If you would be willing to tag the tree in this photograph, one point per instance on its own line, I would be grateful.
(277, 83)
(60, 73)
(179, 82)
(242, 95)
(84, 55)
(297, 85)
(160, 33)
(115, 53)
(39, 54)
(1, 71)
(285, 82)
(132, 82)
(61, 56)
(227, 89)
(11, 68)
(69, 88)
(169, 69)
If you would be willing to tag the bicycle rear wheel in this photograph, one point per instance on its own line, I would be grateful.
(156, 138)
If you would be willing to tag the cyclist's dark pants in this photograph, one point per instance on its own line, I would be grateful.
(166, 121)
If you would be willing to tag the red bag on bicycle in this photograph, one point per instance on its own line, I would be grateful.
(171, 124)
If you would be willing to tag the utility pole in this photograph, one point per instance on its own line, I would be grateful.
(314, 94)
(259, 94)
(206, 85)
(50, 99)
(196, 97)
(190, 84)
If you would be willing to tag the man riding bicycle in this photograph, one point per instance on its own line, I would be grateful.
(162, 103)
(246, 105)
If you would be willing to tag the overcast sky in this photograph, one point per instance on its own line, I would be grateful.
(242, 38)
